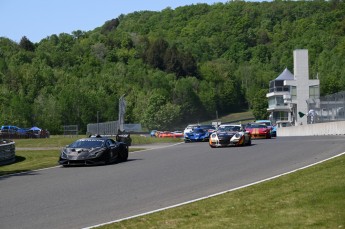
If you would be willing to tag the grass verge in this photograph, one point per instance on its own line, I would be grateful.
(31, 160)
(311, 198)
(247, 116)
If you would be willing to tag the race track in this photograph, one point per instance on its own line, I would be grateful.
(78, 197)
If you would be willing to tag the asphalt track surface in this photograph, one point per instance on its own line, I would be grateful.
(79, 197)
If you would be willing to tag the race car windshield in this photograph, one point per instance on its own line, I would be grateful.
(198, 131)
(257, 126)
(266, 123)
(87, 144)
(230, 128)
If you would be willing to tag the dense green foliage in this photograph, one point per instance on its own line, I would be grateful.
(175, 66)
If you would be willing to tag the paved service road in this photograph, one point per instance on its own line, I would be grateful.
(78, 197)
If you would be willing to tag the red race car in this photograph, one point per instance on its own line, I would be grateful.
(258, 130)
(165, 134)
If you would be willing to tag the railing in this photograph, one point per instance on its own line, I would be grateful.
(280, 89)
(7, 152)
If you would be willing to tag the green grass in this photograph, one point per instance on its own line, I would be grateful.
(29, 160)
(311, 198)
(60, 141)
(247, 116)
(53, 141)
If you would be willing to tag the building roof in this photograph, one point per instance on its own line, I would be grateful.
(285, 75)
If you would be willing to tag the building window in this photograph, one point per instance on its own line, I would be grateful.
(293, 92)
(280, 101)
(280, 116)
(275, 101)
(271, 102)
(314, 92)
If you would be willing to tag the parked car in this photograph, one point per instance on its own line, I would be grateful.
(23, 132)
(231, 135)
(197, 135)
(93, 151)
(36, 132)
(9, 129)
(258, 130)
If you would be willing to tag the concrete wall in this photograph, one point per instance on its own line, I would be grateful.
(7, 152)
(329, 128)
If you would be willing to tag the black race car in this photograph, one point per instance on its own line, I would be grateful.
(93, 151)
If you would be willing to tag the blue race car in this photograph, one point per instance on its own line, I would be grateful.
(197, 135)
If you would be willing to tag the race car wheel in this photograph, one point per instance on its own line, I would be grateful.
(249, 143)
(107, 158)
(123, 155)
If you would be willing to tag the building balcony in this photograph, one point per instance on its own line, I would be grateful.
(279, 89)
(277, 93)
(279, 107)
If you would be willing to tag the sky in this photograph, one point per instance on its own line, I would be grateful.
(38, 19)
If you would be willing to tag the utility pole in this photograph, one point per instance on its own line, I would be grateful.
(122, 111)
(97, 122)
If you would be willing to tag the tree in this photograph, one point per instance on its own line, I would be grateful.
(149, 119)
(167, 116)
(154, 56)
(26, 44)
(259, 105)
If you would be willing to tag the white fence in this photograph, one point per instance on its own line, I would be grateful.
(111, 128)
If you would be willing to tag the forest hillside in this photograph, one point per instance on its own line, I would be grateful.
(174, 66)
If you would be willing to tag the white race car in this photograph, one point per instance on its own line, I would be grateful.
(231, 135)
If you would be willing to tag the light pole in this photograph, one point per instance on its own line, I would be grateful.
(122, 111)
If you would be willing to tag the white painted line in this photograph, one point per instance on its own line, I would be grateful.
(156, 147)
(213, 195)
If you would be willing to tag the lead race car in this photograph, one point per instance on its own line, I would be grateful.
(231, 135)
(93, 151)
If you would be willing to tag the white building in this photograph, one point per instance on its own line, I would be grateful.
(288, 93)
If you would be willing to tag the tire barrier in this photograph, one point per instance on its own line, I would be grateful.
(7, 152)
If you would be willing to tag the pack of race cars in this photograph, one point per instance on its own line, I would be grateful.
(229, 134)
(98, 149)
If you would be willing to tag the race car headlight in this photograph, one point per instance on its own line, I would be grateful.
(237, 135)
(63, 154)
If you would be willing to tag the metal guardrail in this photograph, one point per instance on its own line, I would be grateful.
(7, 152)
(111, 128)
